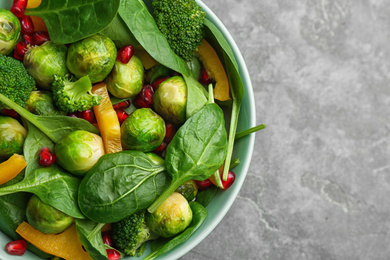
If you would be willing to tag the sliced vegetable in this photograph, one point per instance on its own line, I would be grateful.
(215, 70)
(12, 167)
(107, 119)
(66, 245)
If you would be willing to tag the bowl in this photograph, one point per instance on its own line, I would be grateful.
(243, 149)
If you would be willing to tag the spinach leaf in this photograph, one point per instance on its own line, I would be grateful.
(53, 186)
(199, 215)
(55, 127)
(90, 237)
(204, 197)
(236, 85)
(68, 21)
(141, 23)
(119, 33)
(197, 150)
(120, 184)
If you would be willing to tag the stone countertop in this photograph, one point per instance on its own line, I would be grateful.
(318, 184)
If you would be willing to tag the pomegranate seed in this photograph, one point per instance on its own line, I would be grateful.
(113, 254)
(122, 115)
(107, 238)
(122, 105)
(170, 130)
(204, 77)
(74, 114)
(20, 50)
(27, 25)
(204, 185)
(145, 97)
(27, 39)
(230, 179)
(161, 147)
(46, 157)
(19, 7)
(40, 37)
(88, 115)
(125, 53)
(158, 81)
(17, 247)
(10, 112)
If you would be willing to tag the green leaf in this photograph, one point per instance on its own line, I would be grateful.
(55, 127)
(197, 150)
(196, 96)
(68, 21)
(53, 186)
(199, 215)
(119, 33)
(90, 237)
(236, 86)
(204, 197)
(119, 185)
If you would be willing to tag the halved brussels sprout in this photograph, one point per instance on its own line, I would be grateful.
(9, 31)
(12, 136)
(93, 56)
(170, 100)
(171, 217)
(46, 218)
(126, 80)
(79, 151)
(143, 130)
(44, 61)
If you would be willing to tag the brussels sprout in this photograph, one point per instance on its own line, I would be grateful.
(156, 159)
(170, 100)
(9, 31)
(171, 217)
(188, 189)
(44, 61)
(93, 56)
(41, 103)
(78, 151)
(46, 218)
(126, 80)
(12, 136)
(143, 130)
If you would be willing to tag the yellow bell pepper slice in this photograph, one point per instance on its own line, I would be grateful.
(107, 119)
(12, 167)
(211, 62)
(145, 58)
(65, 245)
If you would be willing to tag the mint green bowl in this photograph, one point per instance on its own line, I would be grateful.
(243, 149)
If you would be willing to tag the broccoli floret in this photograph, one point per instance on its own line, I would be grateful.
(15, 82)
(72, 96)
(130, 233)
(181, 21)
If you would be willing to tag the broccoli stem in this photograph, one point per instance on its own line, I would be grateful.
(26, 115)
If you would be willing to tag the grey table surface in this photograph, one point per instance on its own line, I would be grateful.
(319, 180)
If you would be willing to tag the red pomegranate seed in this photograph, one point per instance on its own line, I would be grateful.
(27, 39)
(161, 147)
(88, 115)
(204, 77)
(10, 112)
(230, 179)
(40, 37)
(20, 50)
(122, 115)
(113, 254)
(139, 103)
(204, 185)
(122, 105)
(17, 247)
(46, 157)
(19, 7)
(125, 53)
(158, 81)
(170, 130)
(145, 97)
(107, 238)
(74, 114)
(27, 25)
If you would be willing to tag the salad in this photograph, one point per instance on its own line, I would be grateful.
(117, 126)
